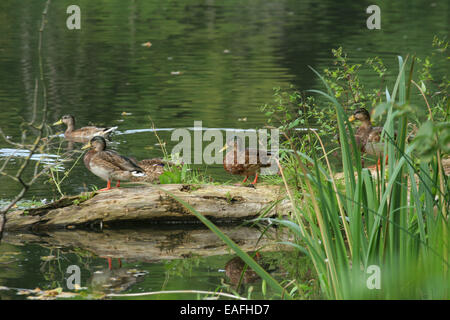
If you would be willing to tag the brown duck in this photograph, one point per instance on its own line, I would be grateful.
(245, 162)
(367, 137)
(235, 267)
(108, 164)
(83, 134)
(153, 168)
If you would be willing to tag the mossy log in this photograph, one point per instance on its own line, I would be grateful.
(122, 206)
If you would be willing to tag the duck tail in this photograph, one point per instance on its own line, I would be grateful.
(109, 130)
(136, 173)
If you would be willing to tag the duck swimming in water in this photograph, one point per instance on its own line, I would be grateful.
(83, 134)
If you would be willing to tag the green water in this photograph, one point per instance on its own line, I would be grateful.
(23, 268)
(210, 61)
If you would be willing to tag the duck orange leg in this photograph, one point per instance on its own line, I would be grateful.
(240, 184)
(108, 186)
(110, 266)
(378, 165)
(379, 162)
(256, 179)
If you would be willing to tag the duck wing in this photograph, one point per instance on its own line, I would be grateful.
(262, 157)
(90, 132)
(375, 134)
(121, 162)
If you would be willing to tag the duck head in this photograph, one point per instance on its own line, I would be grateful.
(234, 142)
(97, 143)
(67, 119)
(361, 115)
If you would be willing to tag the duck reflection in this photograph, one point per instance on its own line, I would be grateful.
(238, 272)
(114, 279)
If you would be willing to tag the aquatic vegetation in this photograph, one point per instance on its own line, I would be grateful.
(379, 235)
(389, 227)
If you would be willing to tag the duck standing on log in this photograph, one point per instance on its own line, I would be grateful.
(245, 162)
(83, 134)
(108, 164)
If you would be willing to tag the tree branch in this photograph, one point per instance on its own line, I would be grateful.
(33, 147)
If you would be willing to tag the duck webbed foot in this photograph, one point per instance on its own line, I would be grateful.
(108, 186)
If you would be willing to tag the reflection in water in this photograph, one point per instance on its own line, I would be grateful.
(151, 244)
(151, 259)
(114, 279)
(238, 271)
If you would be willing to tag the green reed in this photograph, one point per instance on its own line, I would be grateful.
(395, 222)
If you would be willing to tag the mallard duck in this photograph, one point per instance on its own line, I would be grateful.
(367, 137)
(83, 134)
(153, 168)
(235, 267)
(245, 162)
(114, 280)
(108, 164)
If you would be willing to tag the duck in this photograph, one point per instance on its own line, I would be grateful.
(153, 168)
(235, 267)
(83, 134)
(114, 279)
(367, 137)
(238, 161)
(108, 164)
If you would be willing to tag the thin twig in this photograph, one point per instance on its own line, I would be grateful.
(18, 177)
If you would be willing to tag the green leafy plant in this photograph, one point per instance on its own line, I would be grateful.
(391, 221)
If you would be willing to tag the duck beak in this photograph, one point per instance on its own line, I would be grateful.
(225, 147)
(58, 122)
(351, 118)
(86, 146)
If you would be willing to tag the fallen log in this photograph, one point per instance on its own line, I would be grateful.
(121, 206)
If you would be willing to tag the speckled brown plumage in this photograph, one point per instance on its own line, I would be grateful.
(153, 168)
(245, 162)
(234, 269)
(108, 164)
(367, 137)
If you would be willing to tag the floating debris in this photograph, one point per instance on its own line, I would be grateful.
(48, 258)
(147, 44)
(78, 287)
(176, 73)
